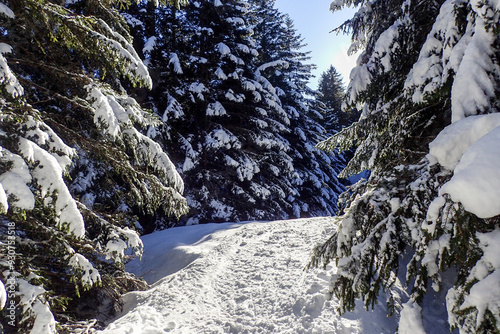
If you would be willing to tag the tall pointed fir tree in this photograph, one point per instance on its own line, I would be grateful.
(226, 126)
(331, 93)
(429, 213)
(284, 64)
(77, 170)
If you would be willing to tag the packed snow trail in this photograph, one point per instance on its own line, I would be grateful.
(239, 278)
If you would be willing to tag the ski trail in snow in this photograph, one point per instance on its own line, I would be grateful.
(239, 278)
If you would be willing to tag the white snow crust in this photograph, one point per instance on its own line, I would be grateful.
(90, 275)
(174, 60)
(471, 148)
(473, 88)
(475, 182)
(451, 143)
(4, 205)
(32, 298)
(6, 11)
(8, 78)
(239, 278)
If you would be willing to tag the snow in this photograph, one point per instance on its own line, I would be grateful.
(116, 246)
(473, 87)
(223, 49)
(3, 295)
(275, 63)
(216, 109)
(231, 96)
(6, 11)
(32, 298)
(174, 108)
(470, 147)
(44, 321)
(4, 205)
(454, 140)
(432, 68)
(247, 169)
(150, 45)
(221, 138)
(220, 74)
(221, 210)
(411, 319)
(386, 44)
(90, 275)
(48, 175)
(126, 51)
(360, 78)
(15, 181)
(239, 278)
(104, 116)
(174, 60)
(151, 154)
(8, 78)
(433, 214)
(235, 20)
(485, 294)
(198, 88)
(395, 204)
(475, 182)
(44, 136)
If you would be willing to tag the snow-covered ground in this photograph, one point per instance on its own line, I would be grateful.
(239, 278)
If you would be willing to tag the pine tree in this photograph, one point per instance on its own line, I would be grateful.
(77, 169)
(421, 61)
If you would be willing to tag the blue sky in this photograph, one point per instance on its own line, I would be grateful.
(314, 21)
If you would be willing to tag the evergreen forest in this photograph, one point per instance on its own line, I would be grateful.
(119, 118)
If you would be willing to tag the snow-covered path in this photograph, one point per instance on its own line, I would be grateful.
(238, 278)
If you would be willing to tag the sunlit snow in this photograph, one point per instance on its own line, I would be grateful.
(239, 278)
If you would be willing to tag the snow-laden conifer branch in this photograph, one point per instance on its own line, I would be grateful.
(442, 203)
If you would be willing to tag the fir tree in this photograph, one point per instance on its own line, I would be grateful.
(279, 43)
(332, 92)
(421, 62)
(77, 169)
(242, 143)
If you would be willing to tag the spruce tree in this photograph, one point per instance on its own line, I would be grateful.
(77, 168)
(425, 65)
(332, 92)
(242, 143)
(279, 43)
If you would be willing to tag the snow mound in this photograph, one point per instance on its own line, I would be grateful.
(451, 143)
(471, 148)
(239, 278)
(475, 181)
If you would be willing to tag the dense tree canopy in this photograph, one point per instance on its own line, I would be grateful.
(229, 83)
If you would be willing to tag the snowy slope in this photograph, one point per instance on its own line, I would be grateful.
(238, 278)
